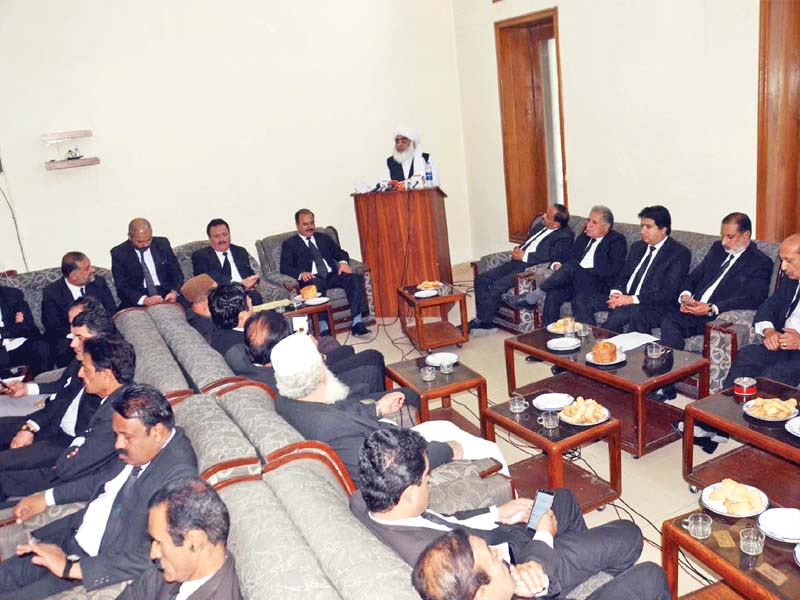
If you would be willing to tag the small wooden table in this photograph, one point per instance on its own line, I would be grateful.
(770, 456)
(314, 312)
(590, 491)
(428, 336)
(637, 375)
(736, 568)
(462, 379)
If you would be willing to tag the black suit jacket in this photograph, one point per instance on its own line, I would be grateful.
(49, 418)
(125, 545)
(126, 267)
(296, 258)
(664, 279)
(12, 301)
(240, 364)
(775, 308)
(205, 260)
(56, 300)
(554, 248)
(150, 585)
(344, 426)
(222, 340)
(609, 258)
(745, 285)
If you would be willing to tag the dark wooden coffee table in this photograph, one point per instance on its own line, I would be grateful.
(770, 456)
(462, 379)
(550, 468)
(314, 312)
(739, 570)
(650, 422)
(431, 335)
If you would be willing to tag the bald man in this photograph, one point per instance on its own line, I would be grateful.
(778, 321)
(145, 269)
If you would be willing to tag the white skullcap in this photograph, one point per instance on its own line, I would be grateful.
(409, 133)
(294, 354)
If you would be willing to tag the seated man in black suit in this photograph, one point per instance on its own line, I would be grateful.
(651, 278)
(321, 408)
(586, 274)
(198, 314)
(363, 373)
(38, 439)
(145, 269)
(734, 275)
(314, 258)
(230, 308)
(108, 364)
(548, 242)
(21, 342)
(188, 526)
(107, 541)
(778, 320)
(215, 260)
(79, 281)
(392, 503)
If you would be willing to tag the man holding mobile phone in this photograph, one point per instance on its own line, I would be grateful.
(392, 502)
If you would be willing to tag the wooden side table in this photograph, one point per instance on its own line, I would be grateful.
(428, 336)
(314, 312)
(462, 379)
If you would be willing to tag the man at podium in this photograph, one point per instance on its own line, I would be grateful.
(408, 159)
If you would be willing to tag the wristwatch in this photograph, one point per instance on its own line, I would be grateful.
(71, 560)
(711, 312)
(29, 427)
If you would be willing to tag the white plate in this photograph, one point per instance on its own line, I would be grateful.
(315, 301)
(620, 358)
(552, 401)
(436, 359)
(719, 507)
(749, 404)
(793, 426)
(782, 524)
(426, 293)
(566, 419)
(563, 344)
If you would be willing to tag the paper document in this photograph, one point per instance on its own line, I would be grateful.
(632, 340)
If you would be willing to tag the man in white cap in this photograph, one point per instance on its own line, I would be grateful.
(408, 159)
(321, 408)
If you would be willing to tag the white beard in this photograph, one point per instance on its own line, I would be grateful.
(407, 154)
(335, 390)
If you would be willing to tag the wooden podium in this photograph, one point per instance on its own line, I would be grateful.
(403, 240)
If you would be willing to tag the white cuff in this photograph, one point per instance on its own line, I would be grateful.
(635, 299)
(343, 261)
(493, 512)
(684, 292)
(141, 301)
(552, 265)
(544, 536)
(762, 325)
(49, 497)
(33, 425)
(614, 292)
(32, 389)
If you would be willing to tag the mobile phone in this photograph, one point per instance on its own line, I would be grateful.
(541, 504)
(688, 301)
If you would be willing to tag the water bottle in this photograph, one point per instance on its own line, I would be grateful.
(428, 175)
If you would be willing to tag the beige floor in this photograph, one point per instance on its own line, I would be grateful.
(652, 485)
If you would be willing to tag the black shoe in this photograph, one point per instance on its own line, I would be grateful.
(663, 394)
(556, 370)
(359, 329)
(478, 324)
(325, 333)
(515, 301)
(532, 359)
(706, 444)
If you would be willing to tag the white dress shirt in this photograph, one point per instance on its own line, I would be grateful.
(792, 321)
(587, 262)
(712, 288)
(235, 276)
(151, 266)
(11, 343)
(75, 290)
(306, 241)
(645, 257)
(190, 587)
(539, 236)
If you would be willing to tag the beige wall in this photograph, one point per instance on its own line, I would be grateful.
(241, 109)
(660, 107)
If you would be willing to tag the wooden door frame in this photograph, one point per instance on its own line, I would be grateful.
(525, 20)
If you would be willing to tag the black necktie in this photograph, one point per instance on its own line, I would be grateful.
(226, 266)
(83, 292)
(127, 488)
(640, 273)
(534, 237)
(717, 275)
(149, 284)
(322, 270)
(793, 305)
(116, 520)
(588, 247)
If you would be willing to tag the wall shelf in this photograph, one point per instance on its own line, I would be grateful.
(52, 165)
(63, 136)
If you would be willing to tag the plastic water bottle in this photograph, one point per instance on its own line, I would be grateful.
(428, 175)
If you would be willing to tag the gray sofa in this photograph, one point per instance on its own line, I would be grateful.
(722, 337)
(269, 253)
